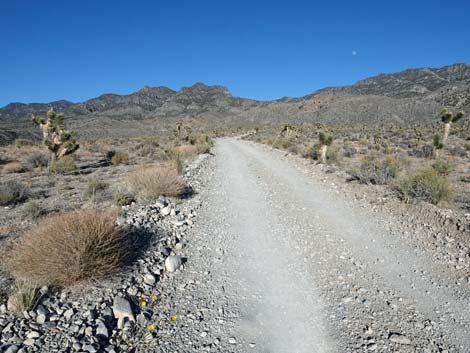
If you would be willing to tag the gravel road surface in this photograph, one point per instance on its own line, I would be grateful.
(281, 262)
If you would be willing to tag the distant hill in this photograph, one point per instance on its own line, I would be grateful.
(409, 97)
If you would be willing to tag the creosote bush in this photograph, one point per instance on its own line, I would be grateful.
(34, 210)
(378, 171)
(35, 160)
(155, 181)
(68, 248)
(12, 192)
(425, 185)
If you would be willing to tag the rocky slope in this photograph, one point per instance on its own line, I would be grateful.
(409, 97)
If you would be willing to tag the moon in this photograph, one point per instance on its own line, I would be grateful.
(354, 53)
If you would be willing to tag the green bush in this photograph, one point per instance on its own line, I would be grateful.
(94, 187)
(442, 167)
(63, 165)
(12, 192)
(467, 146)
(378, 171)
(34, 210)
(123, 199)
(426, 185)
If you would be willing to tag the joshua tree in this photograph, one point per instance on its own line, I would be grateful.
(325, 141)
(58, 140)
(180, 128)
(448, 118)
(288, 131)
(437, 144)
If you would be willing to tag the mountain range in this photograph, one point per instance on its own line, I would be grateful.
(410, 97)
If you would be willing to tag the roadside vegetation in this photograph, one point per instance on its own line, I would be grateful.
(418, 164)
(61, 198)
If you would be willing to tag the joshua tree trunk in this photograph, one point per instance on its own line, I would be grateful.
(446, 132)
(323, 149)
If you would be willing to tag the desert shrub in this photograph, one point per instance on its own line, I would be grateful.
(458, 151)
(426, 185)
(184, 150)
(109, 155)
(283, 143)
(94, 187)
(120, 158)
(12, 192)
(35, 160)
(377, 171)
(349, 151)
(63, 165)
(152, 182)
(34, 210)
(23, 142)
(442, 167)
(70, 247)
(24, 297)
(202, 148)
(13, 167)
(466, 146)
(178, 162)
(333, 155)
(123, 199)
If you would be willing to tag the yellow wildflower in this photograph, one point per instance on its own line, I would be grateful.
(151, 328)
(143, 303)
(173, 318)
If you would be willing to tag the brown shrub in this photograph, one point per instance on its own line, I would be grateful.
(185, 150)
(67, 248)
(13, 167)
(155, 181)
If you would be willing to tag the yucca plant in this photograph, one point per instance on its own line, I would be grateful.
(449, 118)
(326, 140)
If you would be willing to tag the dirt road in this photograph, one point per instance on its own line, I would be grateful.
(285, 264)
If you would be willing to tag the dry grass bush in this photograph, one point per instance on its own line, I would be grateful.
(68, 248)
(95, 187)
(184, 150)
(12, 192)
(35, 160)
(152, 182)
(13, 167)
(63, 165)
(24, 297)
(120, 158)
(425, 185)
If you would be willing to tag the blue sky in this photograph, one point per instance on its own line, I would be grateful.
(78, 49)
